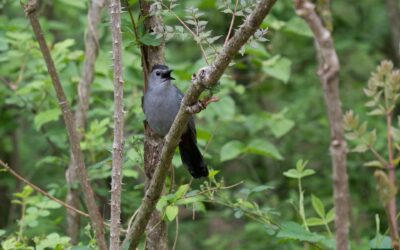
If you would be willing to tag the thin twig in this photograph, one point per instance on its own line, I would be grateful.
(176, 232)
(44, 193)
(214, 189)
(132, 21)
(135, 31)
(231, 25)
(38, 189)
(96, 219)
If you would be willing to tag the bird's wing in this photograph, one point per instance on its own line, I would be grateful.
(191, 124)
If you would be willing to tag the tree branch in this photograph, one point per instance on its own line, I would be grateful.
(84, 89)
(95, 216)
(118, 144)
(206, 77)
(328, 73)
(38, 189)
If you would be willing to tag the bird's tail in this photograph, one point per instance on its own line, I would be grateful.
(191, 156)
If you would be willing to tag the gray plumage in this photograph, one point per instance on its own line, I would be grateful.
(161, 104)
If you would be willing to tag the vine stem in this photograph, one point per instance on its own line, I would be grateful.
(231, 25)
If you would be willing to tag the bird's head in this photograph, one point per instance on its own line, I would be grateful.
(160, 74)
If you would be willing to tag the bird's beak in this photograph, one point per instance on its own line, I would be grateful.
(167, 74)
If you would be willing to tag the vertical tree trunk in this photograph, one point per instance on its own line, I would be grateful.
(328, 72)
(393, 10)
(156, 230)
(84, 86)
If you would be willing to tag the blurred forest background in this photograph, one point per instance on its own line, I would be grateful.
(270, 116)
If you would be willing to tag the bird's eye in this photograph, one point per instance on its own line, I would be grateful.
(158, 73)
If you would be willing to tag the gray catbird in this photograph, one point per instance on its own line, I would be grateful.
(161, 104)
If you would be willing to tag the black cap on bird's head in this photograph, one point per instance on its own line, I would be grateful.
(162, 71)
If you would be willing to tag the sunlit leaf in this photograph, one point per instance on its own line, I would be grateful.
(46, 117)
(171, 212)
(318, 206)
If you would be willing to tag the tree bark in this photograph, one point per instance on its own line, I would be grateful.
(393, 10)
(95, 217)
(205, 78)
(156, 230)
(328, 72)
(118, 144)
(84, 88)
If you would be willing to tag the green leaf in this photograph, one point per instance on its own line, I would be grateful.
(2, 232)
(45, 117)
(298, 26)
(381, 242)
(189, 200)
(281, 127)
(360, 148)
(374, 164)
(223, 110)
(314, 221)
(307, 172)
(171, 212)
(261, 188)
(263, 147)
(377, 111)
(76, 4)
(162, 202)
(130, 173)
(213, 173)
(301, 165)
(3, 43)
(181, 191)
(149, 40)
(372, 136)
(231, 150)
(292, 173)
(330, 215)
(273, 22)
(278, 67)
(278, 123)
(294, 231)
(318, 206)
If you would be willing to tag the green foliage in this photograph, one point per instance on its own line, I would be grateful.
(294, 231)
(254, 134)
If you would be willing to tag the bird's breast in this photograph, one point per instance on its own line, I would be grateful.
(160, 109)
